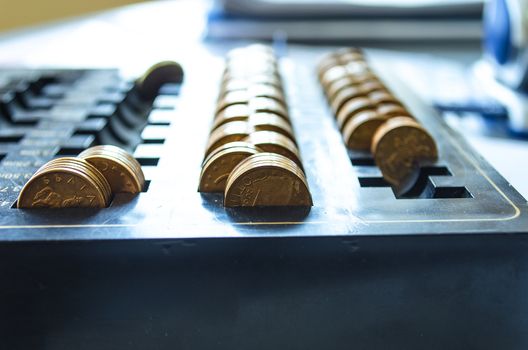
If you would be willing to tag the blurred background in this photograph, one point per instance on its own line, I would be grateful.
(21, 13)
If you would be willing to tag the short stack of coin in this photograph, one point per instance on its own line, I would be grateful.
(89, 180)
(372, 119)
(251, 118)
(119, 167)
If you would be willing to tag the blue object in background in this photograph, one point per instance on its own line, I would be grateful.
(497, 31)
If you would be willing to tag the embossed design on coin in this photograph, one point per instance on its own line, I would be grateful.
(352, 108)
(267, 179)
(359, 131)
(120, 169)
(400, 146)
(61, 189)
(221, 163)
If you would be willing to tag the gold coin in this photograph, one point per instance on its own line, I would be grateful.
(349, 50)
(336, 86)
(257, 79)
(233, 85)
(373, 85)
(123, 155)
(267, 180)
(351, 108)
(359, 131)
(270, 122)
(340, 57)
(231, 98)
(228, 132)
(64, 186)
(220, 163)
(346, 95)
(261, 90)
(382, 96)
(356, 68)
(242, 71)
(354, 71)
(269, 105)
(82, 166)
(400, 146)
(161, 73)
(393, 110)
(260, 158)
(230, 145)
(119, 173)
(349, 57)
(270, 73)
(333, 74)
(257, 90)
(327, 62)
(237, 112)
(273, 142)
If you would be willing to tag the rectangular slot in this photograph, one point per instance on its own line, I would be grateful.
(11, 138)
(69, 151)
(154, 141)
(154, 134)
(435, 171)
(146, 187)
(452, 192)
(373, 182)
(148, 161)
(425, 188)
(159, 123)
(362, 161)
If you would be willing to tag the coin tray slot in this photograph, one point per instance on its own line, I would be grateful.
(452, 192)
(373, 182)
(146, 187)
(148, 161)
(69, 151)
(160, 117)
(362, 161)
(153, 141)
(159, 123)
(11, 139)
(154, 135)
(425, 189)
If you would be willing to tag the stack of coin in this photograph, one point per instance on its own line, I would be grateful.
(372, 119)
(164, 72)
(66, 183)
(221, 162)
(89, 180)
(251, 118)
(121, 169)
(267, 179)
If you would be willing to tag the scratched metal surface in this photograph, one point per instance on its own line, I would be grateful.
(343, 204)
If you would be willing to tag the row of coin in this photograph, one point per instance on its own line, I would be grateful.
(88, 180)
(252, 155)
(372, 119)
